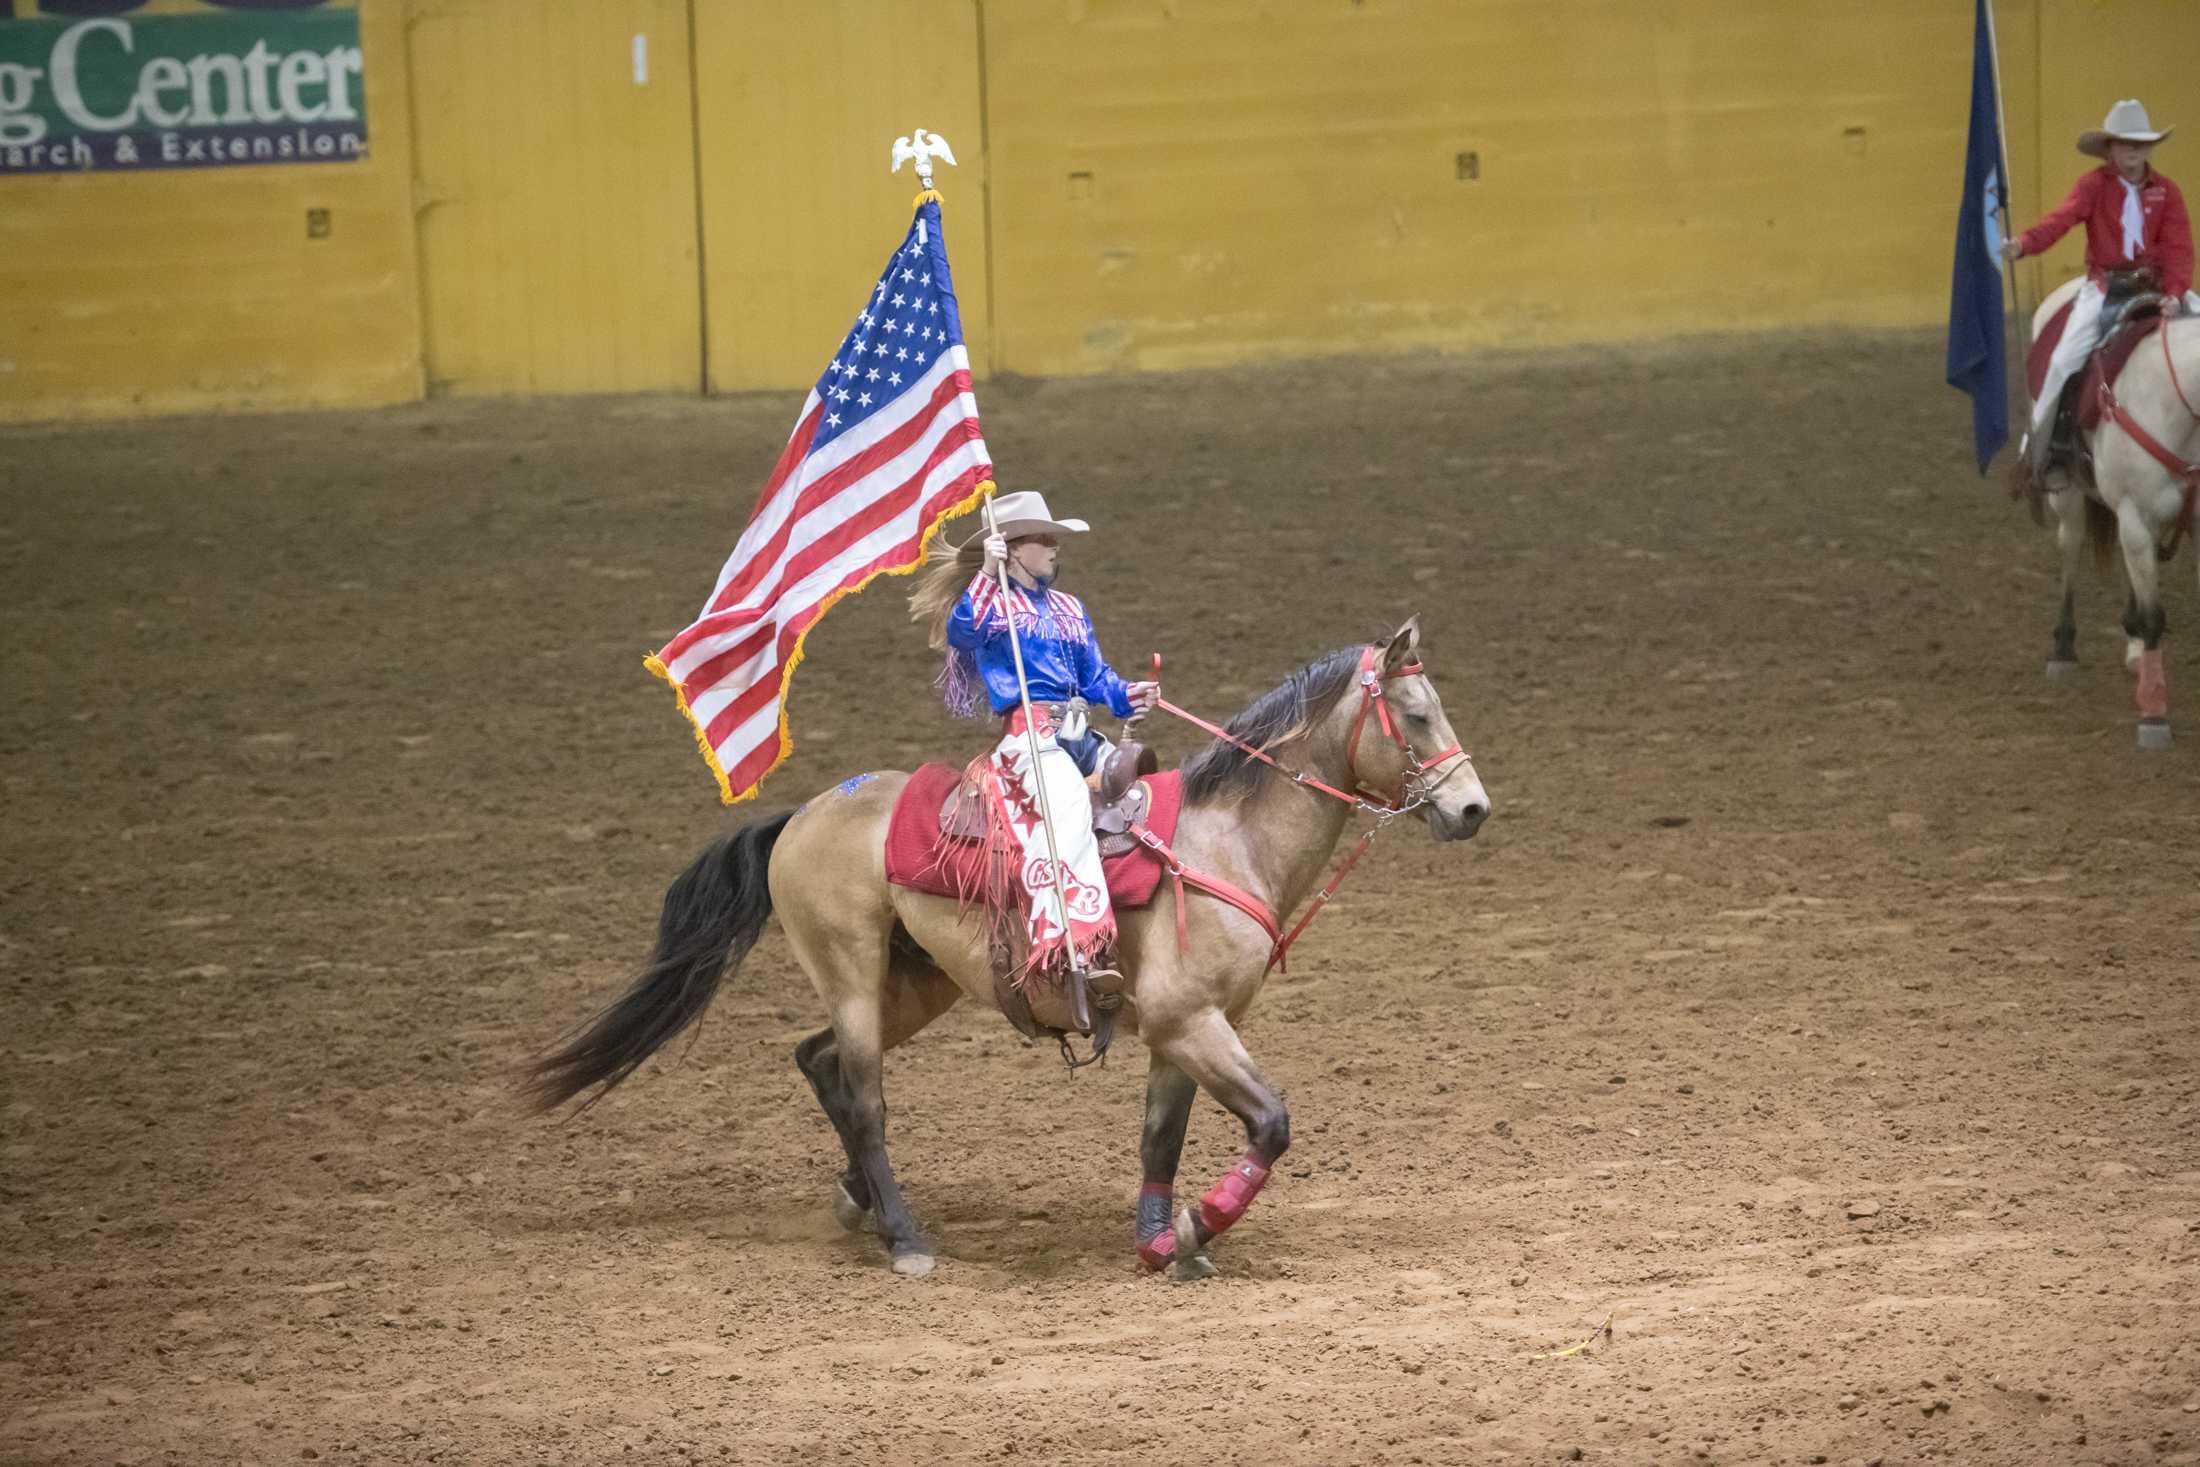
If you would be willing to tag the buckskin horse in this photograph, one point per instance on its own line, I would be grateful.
(1263, 808)
(2144, 452)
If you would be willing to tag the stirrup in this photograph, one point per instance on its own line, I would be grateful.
(1095, 994)
(1090, 989)
(1106, 987)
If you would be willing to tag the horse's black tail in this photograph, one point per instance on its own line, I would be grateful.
(714, 912)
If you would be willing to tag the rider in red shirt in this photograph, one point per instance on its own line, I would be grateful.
(2133, 217)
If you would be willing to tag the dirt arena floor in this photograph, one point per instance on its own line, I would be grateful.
(1819, 1002)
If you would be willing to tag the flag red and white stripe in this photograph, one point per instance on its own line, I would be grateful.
(864, 480)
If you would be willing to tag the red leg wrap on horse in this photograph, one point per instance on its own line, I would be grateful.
(1227, 1199)
(1156, 1225)
(2153, 689)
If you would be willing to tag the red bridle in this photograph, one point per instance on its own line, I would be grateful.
(1370, 682)
(1408, 797)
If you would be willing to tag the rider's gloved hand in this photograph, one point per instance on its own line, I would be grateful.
(996, 554)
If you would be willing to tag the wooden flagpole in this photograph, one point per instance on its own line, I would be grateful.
(2001, 204)
(1031, 737)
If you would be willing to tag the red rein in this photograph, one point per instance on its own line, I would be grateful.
(1371, 686)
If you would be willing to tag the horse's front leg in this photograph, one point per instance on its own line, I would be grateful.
(1207, 1049)
(1169, 1095)
(2062, 662)
(2145, 623)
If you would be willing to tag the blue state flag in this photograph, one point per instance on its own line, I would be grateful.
(1978, 352)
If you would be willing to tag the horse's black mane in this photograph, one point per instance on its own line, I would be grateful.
(1221, 770)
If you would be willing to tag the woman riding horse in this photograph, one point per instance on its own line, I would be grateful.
(1064, 671)
(1361, 728)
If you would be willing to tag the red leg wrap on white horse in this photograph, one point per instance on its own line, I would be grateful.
(1156, 1233)
(1227, 1199)
(2153, 691)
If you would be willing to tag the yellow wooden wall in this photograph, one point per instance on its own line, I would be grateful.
(556, 196)
(198, 288)
(1183, 182)
(1143, 184)
(798, 107)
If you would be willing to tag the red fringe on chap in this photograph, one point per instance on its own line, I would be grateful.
(997, 891)
(993, 889)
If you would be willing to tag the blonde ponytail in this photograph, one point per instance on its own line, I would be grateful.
(949, 569)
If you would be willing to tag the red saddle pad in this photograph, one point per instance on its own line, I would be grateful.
(2106, 364)
(921, 859)
(2043, 351)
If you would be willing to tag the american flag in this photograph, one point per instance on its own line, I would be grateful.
(886, 447)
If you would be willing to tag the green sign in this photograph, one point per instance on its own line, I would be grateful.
(181, 91)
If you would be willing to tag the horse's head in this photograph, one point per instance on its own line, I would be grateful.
(1402, 746)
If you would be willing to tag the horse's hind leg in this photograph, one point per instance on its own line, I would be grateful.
(1207, 1050)
(2062, 662)
(818, 1057)
(915, 1000)
(849, 964)
(861, 1046)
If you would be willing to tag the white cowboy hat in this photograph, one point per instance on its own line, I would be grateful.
(2127, 122)
(1025, 513)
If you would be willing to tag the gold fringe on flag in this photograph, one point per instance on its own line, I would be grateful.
(726, 795)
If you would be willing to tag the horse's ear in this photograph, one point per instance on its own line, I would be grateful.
(1404, 644)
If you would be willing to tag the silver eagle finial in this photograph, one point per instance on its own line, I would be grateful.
(921, 147)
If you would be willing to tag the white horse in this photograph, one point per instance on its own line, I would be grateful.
(2136, 500)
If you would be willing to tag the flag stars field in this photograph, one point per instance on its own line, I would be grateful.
(864, 476)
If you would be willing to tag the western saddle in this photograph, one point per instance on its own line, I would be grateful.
(2131, 308)
(1119, 801)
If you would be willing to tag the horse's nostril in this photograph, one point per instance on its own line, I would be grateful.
(1474, 814)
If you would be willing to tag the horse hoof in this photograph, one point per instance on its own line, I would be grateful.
(1192, 1262)
(1193, 1267)
(2061, 670)
(914, 1265)
(854, 1218)
(2154, 733)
